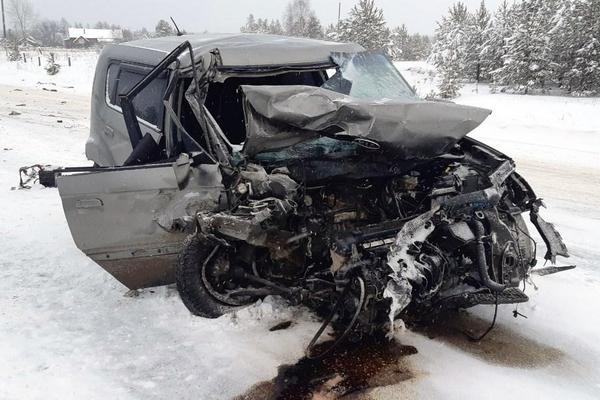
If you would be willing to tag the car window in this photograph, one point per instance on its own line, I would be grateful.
(148, 103)
(368, 76)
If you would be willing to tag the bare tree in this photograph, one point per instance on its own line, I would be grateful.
(22, 15)
(48, 32)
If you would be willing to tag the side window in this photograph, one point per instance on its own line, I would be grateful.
(148, 103)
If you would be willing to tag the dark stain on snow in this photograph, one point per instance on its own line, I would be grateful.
(281, 326)
(347, 372)
(503, 346)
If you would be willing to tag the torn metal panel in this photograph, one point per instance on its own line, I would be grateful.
(281, 116)
(406, 268)
(552, 239)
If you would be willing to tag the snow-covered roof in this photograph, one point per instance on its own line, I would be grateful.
(248, 49)
(100, 34)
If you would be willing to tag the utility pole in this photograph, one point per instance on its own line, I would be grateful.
(3, 19)
(339, 13)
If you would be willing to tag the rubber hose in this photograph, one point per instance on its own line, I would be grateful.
(482, 266)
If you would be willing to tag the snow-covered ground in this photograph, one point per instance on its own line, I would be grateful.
(68, 332)
(76, 78)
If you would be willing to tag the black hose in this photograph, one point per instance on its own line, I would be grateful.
(482, 266)
(361, 303)
(264, 282)
(489, 329)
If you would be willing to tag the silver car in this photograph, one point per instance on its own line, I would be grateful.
(241, 166)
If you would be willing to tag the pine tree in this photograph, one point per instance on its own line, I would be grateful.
(585, 73)
(262, 26)
(399, 43)
(332, 33)
(250, 26)
(476, 31)
(163, 28)
(494, 49)
(366, 26)
(449, 50)
(418, 47)
(275, 27)
(314, 30)
(576, 45)
(527, 62)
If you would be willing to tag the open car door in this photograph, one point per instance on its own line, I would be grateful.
(129, 220)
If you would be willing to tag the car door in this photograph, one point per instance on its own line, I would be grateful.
(130, 220)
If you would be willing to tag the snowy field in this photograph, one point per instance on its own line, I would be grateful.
(76, 78)
(68, 332)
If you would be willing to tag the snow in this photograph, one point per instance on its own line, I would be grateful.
(419, 74)
(76, 78)
(68, 332)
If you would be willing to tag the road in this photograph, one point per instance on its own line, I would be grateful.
(67, 331)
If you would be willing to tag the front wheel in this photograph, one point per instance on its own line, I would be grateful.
(204, 278)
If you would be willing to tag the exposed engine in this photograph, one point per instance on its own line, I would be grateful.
(396, 241)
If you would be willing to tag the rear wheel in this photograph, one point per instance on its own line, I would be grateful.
(204, 278)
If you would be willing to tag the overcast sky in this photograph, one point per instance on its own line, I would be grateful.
(229, 15)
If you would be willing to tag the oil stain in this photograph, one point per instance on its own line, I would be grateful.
(280, 326)
(501, 346)
(347, 372)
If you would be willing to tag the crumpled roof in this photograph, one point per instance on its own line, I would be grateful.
(281, 116)
(246, 49)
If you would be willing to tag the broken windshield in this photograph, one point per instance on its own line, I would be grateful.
(368, 76)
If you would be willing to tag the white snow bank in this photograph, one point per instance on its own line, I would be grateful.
(28, 72)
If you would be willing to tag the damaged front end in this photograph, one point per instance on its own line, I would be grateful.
(368, 210)
(399, 240)
(363, 206)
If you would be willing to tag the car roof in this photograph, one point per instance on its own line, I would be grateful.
(242, 49)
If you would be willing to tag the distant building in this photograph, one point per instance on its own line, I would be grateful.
(84, 37)
(29, 41)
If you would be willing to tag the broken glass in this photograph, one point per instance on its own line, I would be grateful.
(368, 76)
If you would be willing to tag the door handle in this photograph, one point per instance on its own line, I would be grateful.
(88, 203)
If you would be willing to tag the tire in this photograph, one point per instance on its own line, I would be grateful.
(190, 285)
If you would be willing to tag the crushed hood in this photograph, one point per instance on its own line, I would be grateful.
(282, 116)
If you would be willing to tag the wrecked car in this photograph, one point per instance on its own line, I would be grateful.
(242, 166)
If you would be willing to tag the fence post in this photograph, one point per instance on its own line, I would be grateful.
(39, 62)
(69, 60)
(24, 58)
